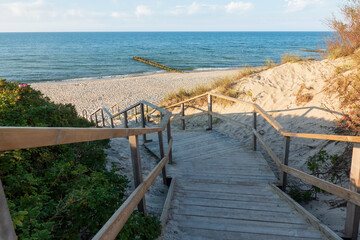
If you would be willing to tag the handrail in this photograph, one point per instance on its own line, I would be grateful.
(13, 138)
(117, 221)
(274, 123)
(351, 195)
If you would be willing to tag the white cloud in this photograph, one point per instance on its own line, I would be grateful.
(197, 8)
(142, 10)
(119, 15)
(29, 9)
(299, 5)
(235, 7)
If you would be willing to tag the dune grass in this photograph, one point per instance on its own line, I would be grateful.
(223, 86)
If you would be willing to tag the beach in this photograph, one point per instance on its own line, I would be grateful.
(93, 94)
(276, 90)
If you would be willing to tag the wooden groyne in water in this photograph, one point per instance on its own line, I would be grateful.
(155, 64)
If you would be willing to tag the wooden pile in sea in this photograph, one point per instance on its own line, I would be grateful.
(155, 64)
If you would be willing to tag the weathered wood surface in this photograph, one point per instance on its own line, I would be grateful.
(222, 191)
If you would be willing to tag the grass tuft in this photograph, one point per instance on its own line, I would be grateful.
(223, 86)
(289, 57)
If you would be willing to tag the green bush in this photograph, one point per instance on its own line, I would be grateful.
(64, 191)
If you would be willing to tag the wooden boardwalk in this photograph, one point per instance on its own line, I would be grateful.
(222, 191)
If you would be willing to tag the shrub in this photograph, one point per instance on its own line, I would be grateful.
(346, 38)
(64, 191)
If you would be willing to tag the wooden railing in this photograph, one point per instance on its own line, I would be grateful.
(351, 195)
(30, 137)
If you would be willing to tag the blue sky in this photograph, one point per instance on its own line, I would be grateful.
(165, 15)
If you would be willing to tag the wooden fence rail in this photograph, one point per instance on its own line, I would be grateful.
(12, 138)
(351, 195)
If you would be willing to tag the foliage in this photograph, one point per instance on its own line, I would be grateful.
(64, 191)
(300, 195)
(330, 167)
(346, 39)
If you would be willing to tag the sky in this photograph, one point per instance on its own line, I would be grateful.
(165, 15)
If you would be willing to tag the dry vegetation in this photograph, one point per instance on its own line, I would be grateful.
(302, 97)
(223, 86)
(346, 82)
(347, 38)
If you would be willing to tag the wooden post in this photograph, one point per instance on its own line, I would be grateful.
(143, 119)
(162, 155)
(353, 211)
(135, 113)
(183, 114)
(112, 122)
(137, 171)
(96, 120)
(103, 118)
(6, 225)
(147, 112)
(285, 160)
(209, 112)
(254, 126)
(169, 138)
(126, 120)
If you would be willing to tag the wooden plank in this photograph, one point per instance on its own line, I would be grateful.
(182, 115)
(336, 190)
(311, 218)
(271, 228)
(240, 214)
(195, 233)
(209, 112)
(353, 211)
(254, 127)
(285, 160)
(342, 138)
(169, 139)
(114, 225)
(165, 212)
(162, 155)
(7, 231)
(137, 170)
(29, 137)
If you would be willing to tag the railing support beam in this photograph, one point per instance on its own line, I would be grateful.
(169, 139)
(143, 120)
(137, 171)
(209, 112)
(353, 211)
(183, 114)
(162, 155)
(6, 225)
(254, 126)
(285, 161)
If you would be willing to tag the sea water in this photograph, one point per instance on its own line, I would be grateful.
(30, 57)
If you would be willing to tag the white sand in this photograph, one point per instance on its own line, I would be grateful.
(274, 90)
(91, 95)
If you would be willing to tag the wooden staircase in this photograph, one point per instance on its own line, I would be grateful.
(224, 190)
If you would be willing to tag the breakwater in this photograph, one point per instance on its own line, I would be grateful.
(155, 64)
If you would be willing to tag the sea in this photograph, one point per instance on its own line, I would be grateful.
(76, 56)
